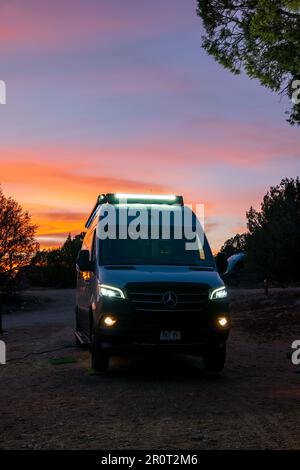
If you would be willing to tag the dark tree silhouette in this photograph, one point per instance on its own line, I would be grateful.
(56, 267)
(17, 243)
(273, 244)
(236, 244)
(261, 37)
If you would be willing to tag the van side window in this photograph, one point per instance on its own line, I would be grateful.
(87, 242)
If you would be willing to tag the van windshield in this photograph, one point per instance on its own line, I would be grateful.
(153, 252)
(146, 249)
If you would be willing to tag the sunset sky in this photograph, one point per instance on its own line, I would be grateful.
(119, 96)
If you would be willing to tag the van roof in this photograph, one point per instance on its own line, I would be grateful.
(127, 198)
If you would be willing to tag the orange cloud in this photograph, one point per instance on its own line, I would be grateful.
(64, 197)
(59, 185)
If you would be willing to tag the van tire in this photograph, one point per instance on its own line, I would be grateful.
(214, 359)
(99, 357)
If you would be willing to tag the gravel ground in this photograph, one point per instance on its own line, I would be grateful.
(164, 403)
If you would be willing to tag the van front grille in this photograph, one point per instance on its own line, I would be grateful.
(167, 297)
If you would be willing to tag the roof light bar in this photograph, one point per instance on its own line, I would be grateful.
(133, 198)
(144, 197)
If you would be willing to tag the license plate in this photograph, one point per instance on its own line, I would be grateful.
(170, 335)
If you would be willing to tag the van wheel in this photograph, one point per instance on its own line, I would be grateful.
(214, 359)
(100, 358)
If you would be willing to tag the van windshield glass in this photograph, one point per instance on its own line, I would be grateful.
(153, 252)
(152, 236)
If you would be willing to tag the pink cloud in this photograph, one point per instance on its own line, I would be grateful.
(29, 24)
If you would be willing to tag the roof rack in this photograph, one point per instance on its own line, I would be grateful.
(117, 198)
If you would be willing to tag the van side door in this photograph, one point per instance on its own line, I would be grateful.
(85, 281)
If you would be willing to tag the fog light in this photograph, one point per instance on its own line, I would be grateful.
(222, 321)
(109, 321)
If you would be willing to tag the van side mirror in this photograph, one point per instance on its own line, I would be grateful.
(221, 262)
(83, 262)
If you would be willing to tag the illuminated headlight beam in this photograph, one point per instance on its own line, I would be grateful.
(218, 294)
(111, 291)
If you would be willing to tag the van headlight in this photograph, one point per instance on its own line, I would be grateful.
(218, 294)
(111, 291)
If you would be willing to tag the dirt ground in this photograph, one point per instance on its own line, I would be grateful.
(164, 403)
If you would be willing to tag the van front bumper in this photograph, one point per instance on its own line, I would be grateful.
(142, 330)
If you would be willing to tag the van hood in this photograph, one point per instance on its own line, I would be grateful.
(120, 276)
